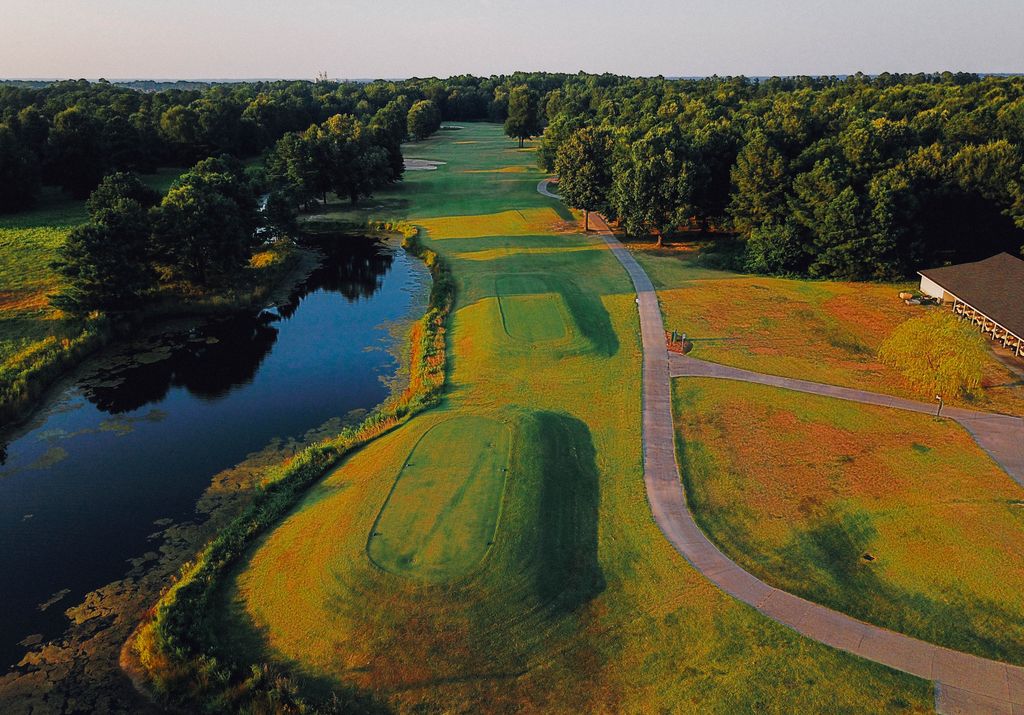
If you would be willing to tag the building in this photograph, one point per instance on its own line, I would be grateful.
(989, 293)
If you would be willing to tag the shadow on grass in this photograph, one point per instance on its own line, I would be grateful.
(835, 557)
(833, 562)
(246, 645)
(837, 547)
(568, 573)
(588, 313)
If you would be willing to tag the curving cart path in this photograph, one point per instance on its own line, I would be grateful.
(963, 683)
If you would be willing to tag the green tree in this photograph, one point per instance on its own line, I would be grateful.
(299, 161)
(279, 215)
(105, 263)
(523, 120)
(389, 127)
(19, 173)
(937, 353)
(179, 126)
(560, 128)
(759, 185)
(76, 154)
(584, 168)
(652, 189)
(117, 186)
(424, 119)
(775, 248)
(357, 165)
(206, 223)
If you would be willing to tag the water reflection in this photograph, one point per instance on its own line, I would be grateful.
(212, 359)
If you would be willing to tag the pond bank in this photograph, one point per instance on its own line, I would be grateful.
(264, 385)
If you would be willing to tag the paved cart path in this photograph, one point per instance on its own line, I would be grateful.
(964, 683)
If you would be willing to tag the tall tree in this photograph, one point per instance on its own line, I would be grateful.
(652, 189)
(759, 179)
(523, 121)
(584, 168)
(117, 186)
(299, 161)
(424, 119)
(358, 166)
(19, 173)
(105, 263)
(206, 223)
(76, 153)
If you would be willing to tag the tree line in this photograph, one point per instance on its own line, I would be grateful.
(72, 133)
(219, 212)
(848, 177)
(856, 178)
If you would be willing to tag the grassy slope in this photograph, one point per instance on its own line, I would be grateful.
(798, 488)
(28, 243)
(439, 519)
(580, 604)
(816, 330)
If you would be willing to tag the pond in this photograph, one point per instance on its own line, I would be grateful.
(133, 439)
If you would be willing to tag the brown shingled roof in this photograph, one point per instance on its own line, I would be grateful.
(995, 286)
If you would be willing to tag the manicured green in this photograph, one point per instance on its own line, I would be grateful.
(530, 311)
(439, 520)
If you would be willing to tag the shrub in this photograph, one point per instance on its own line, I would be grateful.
(937, 353)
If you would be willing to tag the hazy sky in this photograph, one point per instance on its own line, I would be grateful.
(400, 38)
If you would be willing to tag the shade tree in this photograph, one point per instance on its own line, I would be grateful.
(584, 168)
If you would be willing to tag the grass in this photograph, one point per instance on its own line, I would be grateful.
(580, 604)
(825, 331)
(896, 518)
(28, 243)
(530, 311)
(439, 520)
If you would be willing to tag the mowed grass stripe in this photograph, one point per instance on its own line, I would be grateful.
(530, 310)
(439, 520)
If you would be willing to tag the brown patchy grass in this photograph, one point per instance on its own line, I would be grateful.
(825, 331)
(798, 488)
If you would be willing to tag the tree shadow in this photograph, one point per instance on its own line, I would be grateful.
(568, 573)
(241, 641)
(588, 312)
(832, 562)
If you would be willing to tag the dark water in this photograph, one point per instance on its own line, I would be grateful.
(138, 436)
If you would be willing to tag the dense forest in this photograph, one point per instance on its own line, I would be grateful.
(855, 177)
(864, 178)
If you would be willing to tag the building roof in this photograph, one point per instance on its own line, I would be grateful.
(995, 286)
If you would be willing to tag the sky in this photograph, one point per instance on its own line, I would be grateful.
(240, 39)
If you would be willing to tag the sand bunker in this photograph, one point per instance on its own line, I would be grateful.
(422, 165)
